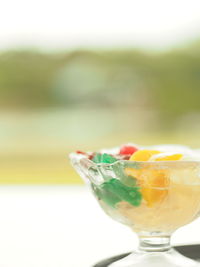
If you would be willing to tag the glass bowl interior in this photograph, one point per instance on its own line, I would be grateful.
(153, 198)
(148, 196)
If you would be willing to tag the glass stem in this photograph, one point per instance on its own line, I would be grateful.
(154, 243)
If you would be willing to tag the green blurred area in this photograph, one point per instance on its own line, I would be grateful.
(54, 103)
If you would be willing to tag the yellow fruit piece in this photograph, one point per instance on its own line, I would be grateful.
(154, 186)
(153, 183)
(168, 157)
(140, 155)
(143, 155)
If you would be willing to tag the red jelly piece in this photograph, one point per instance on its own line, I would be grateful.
(89, 155)
(128, 150)
(80, 152)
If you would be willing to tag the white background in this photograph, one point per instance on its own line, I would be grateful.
(63, 226)
(53, 24)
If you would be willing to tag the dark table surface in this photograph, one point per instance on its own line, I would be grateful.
(191, 251)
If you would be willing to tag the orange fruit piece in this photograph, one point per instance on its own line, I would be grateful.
(143, 155)
(158, 181)
(140, 155)
(154, 186)
(153, 183)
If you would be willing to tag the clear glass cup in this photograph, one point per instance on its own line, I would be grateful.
(152, 198)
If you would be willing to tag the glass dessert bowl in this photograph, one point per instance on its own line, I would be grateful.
(152, 192)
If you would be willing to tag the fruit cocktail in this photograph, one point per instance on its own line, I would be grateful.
(154, 190)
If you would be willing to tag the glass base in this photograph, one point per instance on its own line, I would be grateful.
(170, 258)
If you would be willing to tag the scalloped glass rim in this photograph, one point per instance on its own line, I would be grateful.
(128, 163)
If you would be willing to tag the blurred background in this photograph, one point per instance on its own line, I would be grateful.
(82, 75)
